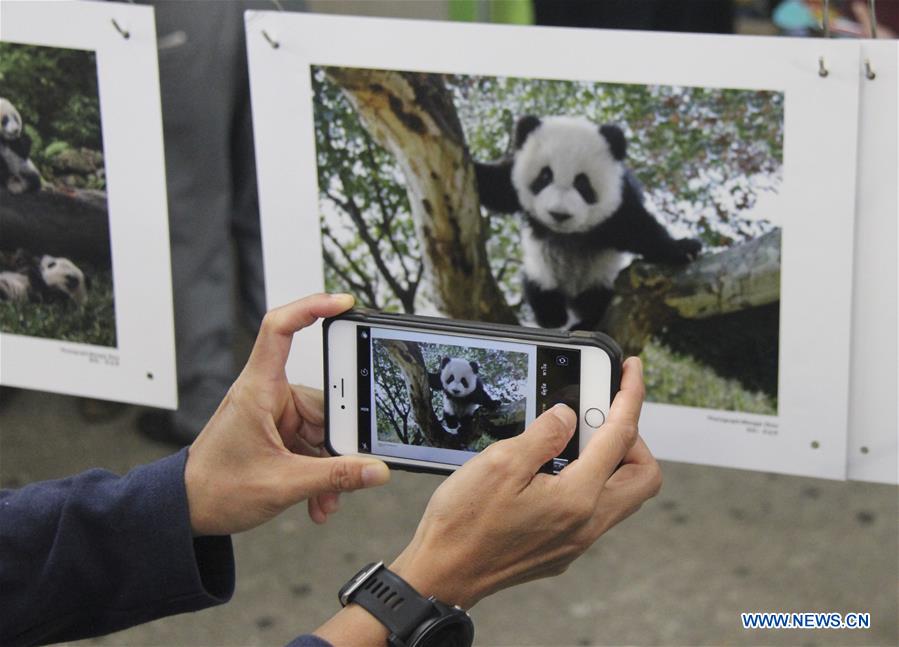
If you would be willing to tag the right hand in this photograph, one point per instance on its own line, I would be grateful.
(497, 522)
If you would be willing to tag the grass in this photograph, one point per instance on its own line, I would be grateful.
(94, 323)
(672, 378)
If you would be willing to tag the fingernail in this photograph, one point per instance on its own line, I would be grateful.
(342, 296)
(564, 413)
(375, 474)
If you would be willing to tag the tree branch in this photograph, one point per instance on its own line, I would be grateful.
(648, 297)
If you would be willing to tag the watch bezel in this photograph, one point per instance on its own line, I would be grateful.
(447, 617)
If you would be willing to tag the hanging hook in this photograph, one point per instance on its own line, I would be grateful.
(870, 74)
(124, 32)
(822, 69)
(271, 41)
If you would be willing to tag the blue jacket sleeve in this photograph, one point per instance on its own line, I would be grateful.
(95, 553)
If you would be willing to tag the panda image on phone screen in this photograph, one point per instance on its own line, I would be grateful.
(583, 213)
(463, 392)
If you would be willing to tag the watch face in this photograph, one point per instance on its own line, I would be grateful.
(454, 630)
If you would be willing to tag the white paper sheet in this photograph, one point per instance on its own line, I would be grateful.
(815, 204)
(873, 444)
(140, 368)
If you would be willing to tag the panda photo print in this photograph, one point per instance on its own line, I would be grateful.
(84, 260)
(665, 189)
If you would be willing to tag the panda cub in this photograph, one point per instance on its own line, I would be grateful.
(584, 216)
(17, 173)
(49, 279)
(463, 392)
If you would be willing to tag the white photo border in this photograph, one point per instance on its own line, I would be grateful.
(141, 369)
(809, 434)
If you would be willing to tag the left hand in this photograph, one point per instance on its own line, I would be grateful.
(262, 450)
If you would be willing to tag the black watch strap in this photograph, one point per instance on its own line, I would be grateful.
(391, 600)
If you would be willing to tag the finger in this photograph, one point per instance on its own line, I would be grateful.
(309, 403)
(279, 325)
(329, 502)
(309, 477)
(629, 399)
(543, 440)
(611, 442)
(635, 482)
(639, 473)
(315, 511)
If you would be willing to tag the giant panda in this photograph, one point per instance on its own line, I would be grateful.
(18, 174)
(584, 215)
(463, 392)
(49, 279)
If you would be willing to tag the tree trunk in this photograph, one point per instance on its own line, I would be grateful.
(408, 358)
(648, 297)
(412, 116)
(48, 222)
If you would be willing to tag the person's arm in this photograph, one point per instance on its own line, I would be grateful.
(97, 552)
(498, 522)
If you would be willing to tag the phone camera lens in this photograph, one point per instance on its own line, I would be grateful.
(364, 372)
(561, 360)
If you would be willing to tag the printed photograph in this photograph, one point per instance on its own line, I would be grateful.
(649, 212)
(55, 257)
(469, 397)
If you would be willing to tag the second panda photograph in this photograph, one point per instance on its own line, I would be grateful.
(55, 254)
(473, 396)
(648, 212)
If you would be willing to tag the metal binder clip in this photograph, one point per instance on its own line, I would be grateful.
(271, 41)
(124, 32)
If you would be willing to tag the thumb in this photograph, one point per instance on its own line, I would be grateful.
(309, 477)
(544, 439)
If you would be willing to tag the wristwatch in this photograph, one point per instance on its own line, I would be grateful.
(412, 619)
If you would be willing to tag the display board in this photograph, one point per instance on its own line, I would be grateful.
(85, 279)
(873, 445)
(370, 159)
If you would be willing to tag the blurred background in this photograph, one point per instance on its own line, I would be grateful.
(715, 543)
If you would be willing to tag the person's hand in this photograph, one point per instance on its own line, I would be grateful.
(261, 451)
(497, 522)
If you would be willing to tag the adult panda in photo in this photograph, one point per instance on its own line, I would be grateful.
(584, 215)
(17, 172)
(463, 392)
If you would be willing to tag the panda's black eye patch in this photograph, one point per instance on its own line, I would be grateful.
(5, 120)
(464, 383)
(582, 185)
(543, 180)
(51, 265)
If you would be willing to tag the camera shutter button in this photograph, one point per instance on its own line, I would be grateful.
(594, 417)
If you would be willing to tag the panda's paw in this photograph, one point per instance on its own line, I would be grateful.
(16, 185)
(687, 249)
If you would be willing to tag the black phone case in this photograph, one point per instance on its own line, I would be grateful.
(475, 328)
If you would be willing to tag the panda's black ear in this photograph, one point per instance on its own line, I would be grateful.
(444, 362)
(474, 366)
(615, 136)
(524, 127)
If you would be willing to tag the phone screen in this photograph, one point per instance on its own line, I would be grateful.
(442, 398)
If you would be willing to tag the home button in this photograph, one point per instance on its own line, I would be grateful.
(594, 417)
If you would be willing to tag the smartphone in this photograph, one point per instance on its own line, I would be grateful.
(427, 394)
